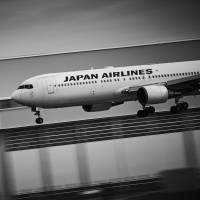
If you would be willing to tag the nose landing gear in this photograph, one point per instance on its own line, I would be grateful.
(39, 119)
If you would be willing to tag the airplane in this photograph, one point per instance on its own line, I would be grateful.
(100, 89)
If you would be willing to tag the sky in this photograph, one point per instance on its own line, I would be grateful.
(48, 26)
(36, 27)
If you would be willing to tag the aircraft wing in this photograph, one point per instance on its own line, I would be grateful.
(185, 85)
(130, 91)
(8, 102)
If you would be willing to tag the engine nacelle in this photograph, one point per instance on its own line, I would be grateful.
(152, 94)
(97, 107)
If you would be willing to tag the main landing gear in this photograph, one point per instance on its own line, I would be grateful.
(180, 106)
(146, 111)
(39, 119)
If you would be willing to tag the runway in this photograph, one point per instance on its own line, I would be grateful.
(100, 129)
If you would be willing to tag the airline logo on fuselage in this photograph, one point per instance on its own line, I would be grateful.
(92, 76)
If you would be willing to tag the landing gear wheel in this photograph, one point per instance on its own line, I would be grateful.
(39, 120)
(176, 109)
(150, 109)
(179, 107)
(173, 109)
(142, 113)
(185, 105)
(146, 111)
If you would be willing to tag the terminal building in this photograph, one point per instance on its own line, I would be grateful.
(101, 156)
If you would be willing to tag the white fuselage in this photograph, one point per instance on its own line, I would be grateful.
(98, 85)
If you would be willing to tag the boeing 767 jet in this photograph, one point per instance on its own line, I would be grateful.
(100, 89)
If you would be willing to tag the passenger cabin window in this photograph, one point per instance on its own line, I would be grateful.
(28, 86)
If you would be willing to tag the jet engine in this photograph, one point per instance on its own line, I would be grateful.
(152, 94)
(97, 107)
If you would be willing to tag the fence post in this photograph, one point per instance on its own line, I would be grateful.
(4, 177)
(190, 149)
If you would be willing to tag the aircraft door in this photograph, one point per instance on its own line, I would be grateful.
(50, 86)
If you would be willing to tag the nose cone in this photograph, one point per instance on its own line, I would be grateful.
(16, 96)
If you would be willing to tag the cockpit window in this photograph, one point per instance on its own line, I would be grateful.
(21, 87)
(27, 86)
(30, 86)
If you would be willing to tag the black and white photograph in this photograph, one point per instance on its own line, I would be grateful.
(100, 100)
